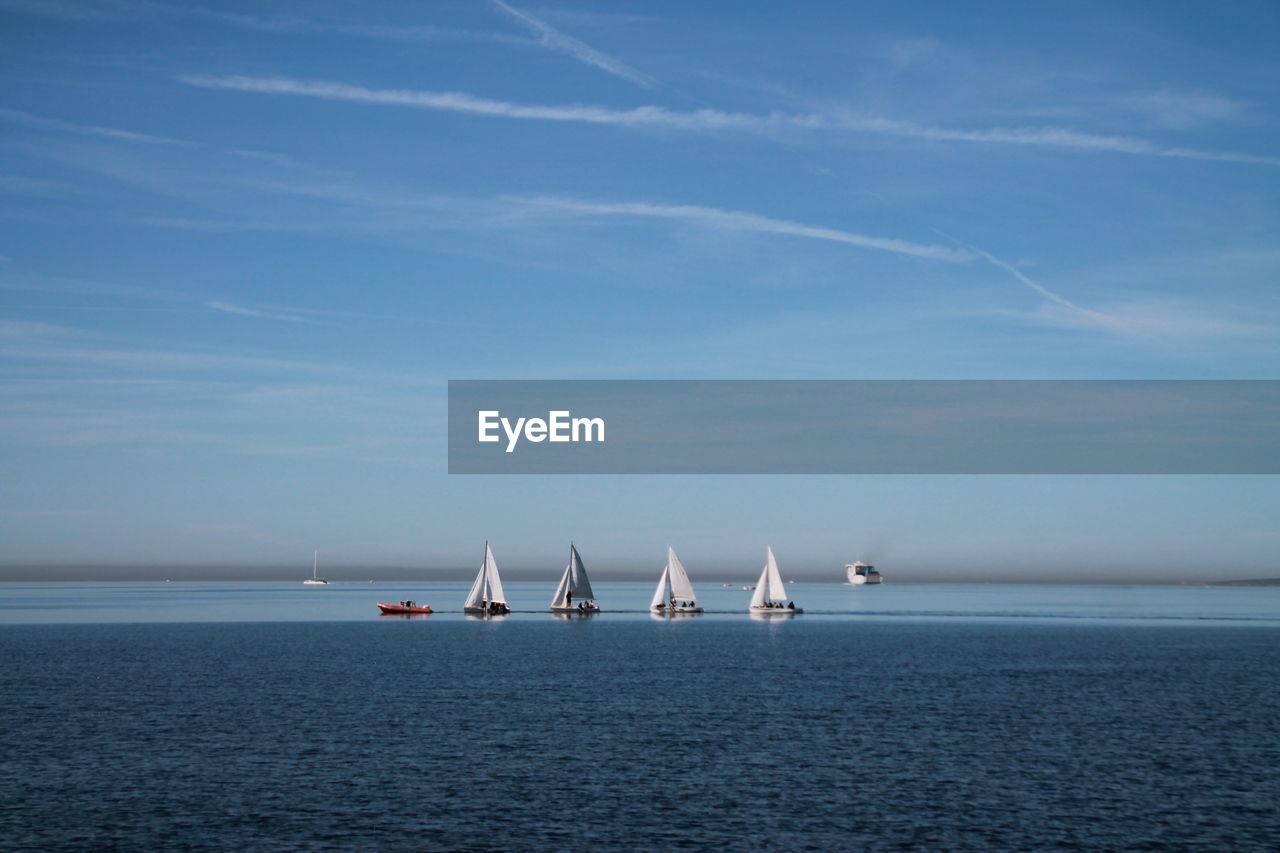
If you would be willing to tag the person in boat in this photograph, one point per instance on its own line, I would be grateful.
(791, 605)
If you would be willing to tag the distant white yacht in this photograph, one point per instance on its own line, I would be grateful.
(315, 580)
(862, 573)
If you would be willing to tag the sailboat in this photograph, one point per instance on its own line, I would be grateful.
(315, 580)
(486, 595)
(771, 594)
(674, 593)
(574, 586)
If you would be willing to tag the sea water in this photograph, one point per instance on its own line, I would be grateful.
(268, 716)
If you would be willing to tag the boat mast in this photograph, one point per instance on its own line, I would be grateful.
(315, 561)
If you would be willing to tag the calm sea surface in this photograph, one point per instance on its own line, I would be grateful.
(271, 716)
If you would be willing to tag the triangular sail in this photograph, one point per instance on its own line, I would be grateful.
(579, 585)
(573, 582)
(758, 597)
(476, 594)
(562, 591)
(661, 596)
(487, 586)
(493, 583)
(681, 588)
(777, 591)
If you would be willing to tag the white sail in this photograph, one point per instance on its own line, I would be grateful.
(681, 587)
(579, 585)
(758, 597)
(777, 591)
(562, 591)
(487, 586)
(476, 595)
(492, 581)
(661, 595)
(573, 582)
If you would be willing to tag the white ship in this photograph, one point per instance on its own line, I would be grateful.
(861, 573)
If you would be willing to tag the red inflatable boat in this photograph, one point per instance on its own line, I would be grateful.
(404, 608)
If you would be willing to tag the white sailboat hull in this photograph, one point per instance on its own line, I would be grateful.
(310, 582)
(574, 609)
(775, 611)
(676, 611)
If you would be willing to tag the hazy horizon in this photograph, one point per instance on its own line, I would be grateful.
(527, 571)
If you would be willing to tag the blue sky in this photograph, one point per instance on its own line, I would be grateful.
(243, 246)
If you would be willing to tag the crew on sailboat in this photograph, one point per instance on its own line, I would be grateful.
(770, 592)
(574, 583)
(674, 593)
(486, 597)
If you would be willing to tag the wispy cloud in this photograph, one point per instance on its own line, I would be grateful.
(1054, 137)
(150, 11)
(133, 137)
(462, 102)
(44, 123)
(1158, 319)
(554, 40)
(1169, 321)
(1183, 110)
(154, 360)
(735, 220)
(186, 223)
(1064, 307)
(15, 185)
(835, 121)
(115, 393)
(241, 311)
